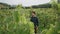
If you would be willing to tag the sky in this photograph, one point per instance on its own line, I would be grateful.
(25, 2)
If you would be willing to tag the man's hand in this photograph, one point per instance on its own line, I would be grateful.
(36, 27)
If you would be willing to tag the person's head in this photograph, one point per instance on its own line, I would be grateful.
(33, 14)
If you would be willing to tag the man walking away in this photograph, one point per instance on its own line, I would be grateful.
(34, 19)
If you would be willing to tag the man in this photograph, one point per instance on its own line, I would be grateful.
(34, 19)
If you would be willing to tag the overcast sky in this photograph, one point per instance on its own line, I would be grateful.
(25, 2)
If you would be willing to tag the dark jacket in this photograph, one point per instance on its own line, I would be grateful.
(34, 20)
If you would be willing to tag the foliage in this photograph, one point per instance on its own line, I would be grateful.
(12, 23)
(17, 21)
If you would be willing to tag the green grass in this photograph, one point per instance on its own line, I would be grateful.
(17, 21)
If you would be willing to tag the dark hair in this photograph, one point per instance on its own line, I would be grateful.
(33, 12)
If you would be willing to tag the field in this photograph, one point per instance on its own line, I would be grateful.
(17, 21)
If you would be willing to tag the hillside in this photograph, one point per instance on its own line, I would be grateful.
(47, 5)
(6, 6)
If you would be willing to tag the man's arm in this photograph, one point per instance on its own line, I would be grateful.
(31, 19)
(37, 21)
